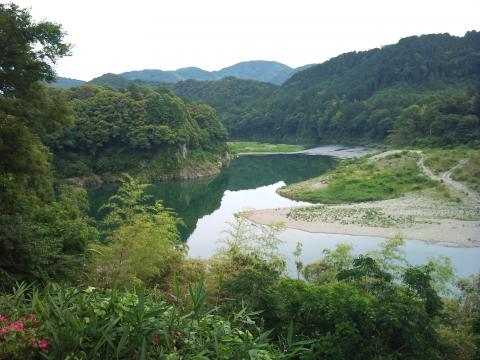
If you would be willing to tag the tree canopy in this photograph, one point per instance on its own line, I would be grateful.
(29, 49)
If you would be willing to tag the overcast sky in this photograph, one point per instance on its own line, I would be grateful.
(117, 36)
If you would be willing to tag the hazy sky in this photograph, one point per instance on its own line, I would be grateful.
(116, 36)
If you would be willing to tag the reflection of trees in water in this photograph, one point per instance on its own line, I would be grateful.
(253, 171)
(192, 200)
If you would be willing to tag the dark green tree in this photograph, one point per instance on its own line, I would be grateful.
(38, 234)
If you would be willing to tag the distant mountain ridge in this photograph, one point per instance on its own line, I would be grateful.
(66, 82)
(260, 70)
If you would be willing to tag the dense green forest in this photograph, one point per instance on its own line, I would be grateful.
(229, 96)
(150, 133)
(123, 288)
(422, 87)
(423, 90)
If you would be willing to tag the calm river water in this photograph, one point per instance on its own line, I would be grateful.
(208, 205)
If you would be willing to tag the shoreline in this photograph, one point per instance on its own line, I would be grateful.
(445, 232)
(415, 216)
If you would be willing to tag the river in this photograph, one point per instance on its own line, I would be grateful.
(207, 206)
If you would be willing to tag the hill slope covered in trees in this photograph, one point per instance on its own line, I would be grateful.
(153, 134)
(234, 99)
(422, 90)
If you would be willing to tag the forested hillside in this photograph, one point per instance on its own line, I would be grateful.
(421, 90)
(153, 134)
(424, 90)
(113, 80)
(234, 99)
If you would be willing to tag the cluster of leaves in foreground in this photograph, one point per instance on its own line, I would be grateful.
(109, 324)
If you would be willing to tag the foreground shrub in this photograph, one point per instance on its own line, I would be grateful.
(141, 243)
(110, 324)
(19, 338)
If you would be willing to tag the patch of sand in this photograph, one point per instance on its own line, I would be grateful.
(465, 233)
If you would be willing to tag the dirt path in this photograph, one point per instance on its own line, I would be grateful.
(470, 195)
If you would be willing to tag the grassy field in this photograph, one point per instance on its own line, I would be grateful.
(441, 160)
(238, 147)
(363, 179)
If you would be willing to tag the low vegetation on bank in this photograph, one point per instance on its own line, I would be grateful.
(365, 179)
(359, 216)
(240, 147)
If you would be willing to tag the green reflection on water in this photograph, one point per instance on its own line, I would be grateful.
(194, 199)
